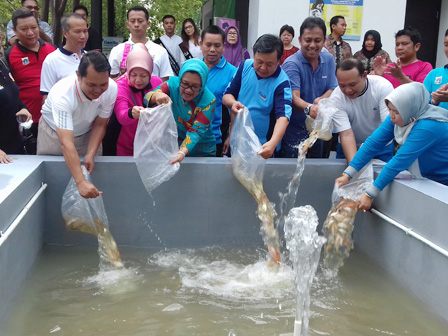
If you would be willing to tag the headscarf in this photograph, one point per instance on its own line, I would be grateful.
(204, 97)
(233, 53)
(197, 113)
(378, 45)
(139, 57)
(412, 102)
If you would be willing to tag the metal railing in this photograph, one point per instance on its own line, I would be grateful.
(4, 235)
(410, 232)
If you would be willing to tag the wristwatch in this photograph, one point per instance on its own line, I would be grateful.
(307, 109)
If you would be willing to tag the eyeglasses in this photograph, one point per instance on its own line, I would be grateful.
(188, 27)
(233, 34)
(36, 8)
(194, 88)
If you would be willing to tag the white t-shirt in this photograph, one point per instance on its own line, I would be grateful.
(172, 43)
(57, 65)
(194, 50)
(68, 108)
(162, 67)
(365, 113)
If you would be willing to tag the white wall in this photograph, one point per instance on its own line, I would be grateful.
(385, 16)
(441, 58)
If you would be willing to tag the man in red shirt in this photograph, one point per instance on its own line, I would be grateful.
(25, 60)
(408, 67)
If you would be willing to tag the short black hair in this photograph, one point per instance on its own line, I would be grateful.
(334, 21)
(311, 22)
(23, 1)
(21, 13)
(96, 59)
(84, 8)
(267, 44)
(446, 33)
(65, 24)
(213, 29)
(288, 28)
(413, 34)
(352, 63)
(169, 16)
(138, 8)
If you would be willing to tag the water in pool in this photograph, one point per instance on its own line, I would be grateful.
(226, 291)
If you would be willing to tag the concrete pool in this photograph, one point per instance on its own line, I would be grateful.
(204, 205)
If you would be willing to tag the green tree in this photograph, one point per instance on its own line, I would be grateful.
(181, 9)
(6, 9)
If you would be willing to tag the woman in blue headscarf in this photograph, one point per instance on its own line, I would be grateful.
(193, 107)
(421, 130)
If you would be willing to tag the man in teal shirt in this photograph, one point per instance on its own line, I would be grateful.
(220, 75)
(437, 82)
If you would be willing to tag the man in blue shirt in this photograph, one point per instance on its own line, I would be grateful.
(437, 81)
(219, 76)
(263, 87)
(313, 76)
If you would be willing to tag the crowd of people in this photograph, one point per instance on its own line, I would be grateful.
(83, 104)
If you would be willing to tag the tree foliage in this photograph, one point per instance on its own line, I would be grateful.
(181, 9)
(6, 9)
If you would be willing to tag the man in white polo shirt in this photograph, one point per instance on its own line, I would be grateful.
(137, 23)
(64, 61)
(75, 115)
(361, 108)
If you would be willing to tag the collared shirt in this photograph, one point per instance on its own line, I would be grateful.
(266, 98)
(340, 50)
(59, 64)
(363, 114)
(26, 66)
(219, 77)
(310, 83)
(162, 67)
(42, 24)
(435, 79)
(68, 108)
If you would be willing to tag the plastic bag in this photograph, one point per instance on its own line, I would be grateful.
(248, 167)
(245, 145)
(338, 226)
(89, 216)
(322, 126)
(155, 144)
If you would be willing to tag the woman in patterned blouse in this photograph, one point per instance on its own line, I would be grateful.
(371, 47)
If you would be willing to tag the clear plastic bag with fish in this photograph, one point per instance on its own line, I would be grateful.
(338, 226)
(155, 144)
(322, 126)
(89, 216)
(248, 167)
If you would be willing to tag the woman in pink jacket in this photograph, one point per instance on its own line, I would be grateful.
(132, 87)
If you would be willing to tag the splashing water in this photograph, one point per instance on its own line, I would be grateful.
(288, 199)
(304, 246)
(320, 128)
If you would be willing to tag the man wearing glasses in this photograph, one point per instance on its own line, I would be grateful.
(45, 32)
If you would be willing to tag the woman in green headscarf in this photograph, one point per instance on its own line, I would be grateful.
(421, 130)
(193, 107)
